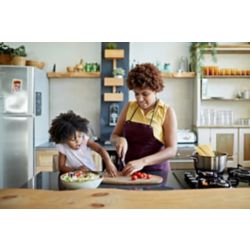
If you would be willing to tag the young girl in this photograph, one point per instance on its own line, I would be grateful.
(69, 132)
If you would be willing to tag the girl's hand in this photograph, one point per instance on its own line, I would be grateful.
(121, 147)
(111, 169)
(132, 167)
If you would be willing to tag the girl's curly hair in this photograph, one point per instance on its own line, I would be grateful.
(145, 75)
(65, 125)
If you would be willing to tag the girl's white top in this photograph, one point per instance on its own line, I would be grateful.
(77, 157)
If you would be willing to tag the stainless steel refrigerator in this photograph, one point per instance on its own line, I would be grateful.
(23, 122)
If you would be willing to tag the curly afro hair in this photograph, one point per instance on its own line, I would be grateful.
(65, 126)
(145, 75)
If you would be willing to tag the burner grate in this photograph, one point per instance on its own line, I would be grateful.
(240, 174)
(206, 180)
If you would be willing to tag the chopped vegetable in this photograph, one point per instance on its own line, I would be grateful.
(79, 176)
(139, 175)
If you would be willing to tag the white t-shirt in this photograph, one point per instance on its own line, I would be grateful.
(78, 157)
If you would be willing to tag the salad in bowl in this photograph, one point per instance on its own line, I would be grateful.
(81, 180)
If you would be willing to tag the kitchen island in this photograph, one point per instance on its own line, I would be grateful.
(114, 198)
(45, 191)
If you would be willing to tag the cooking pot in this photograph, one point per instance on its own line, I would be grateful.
(215, 163)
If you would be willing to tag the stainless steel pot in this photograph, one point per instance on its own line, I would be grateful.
(216, 163)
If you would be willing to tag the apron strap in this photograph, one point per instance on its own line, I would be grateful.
(133, 113)
(154, 112)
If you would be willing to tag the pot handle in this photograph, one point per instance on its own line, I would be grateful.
(194, 158)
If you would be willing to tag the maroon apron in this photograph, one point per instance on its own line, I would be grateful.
(141, 142)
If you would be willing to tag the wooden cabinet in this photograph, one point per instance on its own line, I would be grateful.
(222, 140)
(234, 141)
(244, 147)
(226, 140)
(44, 160)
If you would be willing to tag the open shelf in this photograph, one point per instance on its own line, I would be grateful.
(178, 74)
(73, 74)
(114, 53)
(112, 81)
(231, 49)
(226, 99)
(113, 97)
(225, 76)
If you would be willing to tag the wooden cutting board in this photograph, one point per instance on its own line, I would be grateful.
(126, 180)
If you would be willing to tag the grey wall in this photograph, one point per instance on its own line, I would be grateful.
(80, 95)
(178, 93)
(84, 95)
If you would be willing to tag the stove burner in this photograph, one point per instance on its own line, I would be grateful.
(240, 174)
(206, 180)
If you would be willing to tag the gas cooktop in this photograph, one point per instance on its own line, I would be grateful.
(231, 178)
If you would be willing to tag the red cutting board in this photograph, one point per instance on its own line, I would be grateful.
(126, 180)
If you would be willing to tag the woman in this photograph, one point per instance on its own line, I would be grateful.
(146, 132)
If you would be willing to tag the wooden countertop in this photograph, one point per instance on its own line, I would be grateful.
(114, 198)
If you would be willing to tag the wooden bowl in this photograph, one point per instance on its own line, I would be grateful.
(39, 65)
(70, 69)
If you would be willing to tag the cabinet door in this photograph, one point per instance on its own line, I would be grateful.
(226, 140)
(244, 147)
(44, 159)
(204, 136)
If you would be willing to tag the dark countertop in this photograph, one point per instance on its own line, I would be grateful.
(52, 145)
(187, 148)
(51, 181)
(47, 145)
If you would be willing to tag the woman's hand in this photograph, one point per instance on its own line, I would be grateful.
(83, 168)
(121, 147)
(111, 169)
(132, 167)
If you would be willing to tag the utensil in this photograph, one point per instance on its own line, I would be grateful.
(120, 164)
